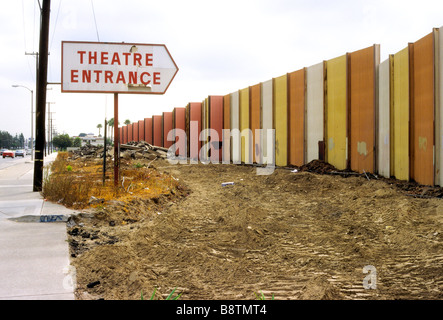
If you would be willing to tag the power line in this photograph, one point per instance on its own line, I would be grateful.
(95, 21)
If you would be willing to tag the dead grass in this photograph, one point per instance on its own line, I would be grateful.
(73, 183)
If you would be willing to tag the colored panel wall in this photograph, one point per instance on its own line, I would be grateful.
(439, 108)
(254, 119)
(314, 111)
(141, 130)
(400, 116)
(195, 114)
(422, 110)
(227, 143)
(157, 131)
(281, 120)
(148, 130)
(167, 127)
(296, 109)
(130, 132)
(384, 110)
(216, 123)
(135, 132)
(246, 154)
(179, 123)
(235, 128)
(267, 123)
(336, 112)
(125, 134)
(362, 108)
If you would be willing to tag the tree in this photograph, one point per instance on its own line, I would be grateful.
(127, 121)
(82, 134)
(111, 126)
(99, 126)
(62, 141)
(77, 142)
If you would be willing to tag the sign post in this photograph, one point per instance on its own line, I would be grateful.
(107, 67)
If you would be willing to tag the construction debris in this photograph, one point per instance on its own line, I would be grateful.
(131, 150)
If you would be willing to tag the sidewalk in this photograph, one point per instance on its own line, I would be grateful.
(34, 253)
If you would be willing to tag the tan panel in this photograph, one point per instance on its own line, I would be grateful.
(336, 112)
(227, 125)
(235, 128)
(400, 115)
(244, 125)
(281, 120)
(296, 109)
(422, 110)
(254, 118)
(267, 116)
(384, 106)
(314, 130)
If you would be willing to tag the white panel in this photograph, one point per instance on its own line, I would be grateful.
(384, 120)
(267, 121)
(314, 111)
(235, 128)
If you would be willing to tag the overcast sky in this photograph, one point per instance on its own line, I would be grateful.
(219, 47)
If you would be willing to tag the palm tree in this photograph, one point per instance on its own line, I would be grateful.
(99, 126)
(111, 126)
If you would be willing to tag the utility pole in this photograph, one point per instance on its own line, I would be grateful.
(42, 77)
(48, 145)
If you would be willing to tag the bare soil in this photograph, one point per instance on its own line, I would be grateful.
(294, 235)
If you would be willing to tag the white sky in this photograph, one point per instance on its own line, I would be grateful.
(219, 47)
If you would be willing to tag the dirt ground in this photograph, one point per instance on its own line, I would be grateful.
(291, 235)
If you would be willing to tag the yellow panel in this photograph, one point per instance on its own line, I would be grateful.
(336, 114)
(281, 120)
(244, 125)
(400, 115)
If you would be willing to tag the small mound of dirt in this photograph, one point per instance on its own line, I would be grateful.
(318, 166)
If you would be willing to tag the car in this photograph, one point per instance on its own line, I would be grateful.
(8, 153)
(20, 153)
(2, 150)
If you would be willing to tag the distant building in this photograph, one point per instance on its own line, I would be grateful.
(91, 139)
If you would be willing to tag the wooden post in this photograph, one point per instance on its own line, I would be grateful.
(41, 97)
(116, 141)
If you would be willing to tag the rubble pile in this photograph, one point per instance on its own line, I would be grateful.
(134, 150)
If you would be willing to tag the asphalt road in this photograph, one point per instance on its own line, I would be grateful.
(34, 255)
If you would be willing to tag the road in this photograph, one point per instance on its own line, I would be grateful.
(7, 162)
(34, 256)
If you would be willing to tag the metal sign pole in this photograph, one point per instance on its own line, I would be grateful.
(116, 141)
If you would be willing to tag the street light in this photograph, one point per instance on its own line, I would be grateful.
(32, 115)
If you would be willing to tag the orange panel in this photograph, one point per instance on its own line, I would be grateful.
(120, 135)
(141, 130)
(194, 130)
(254, 118)
(216, 123)
(179, 123)
(227, 125)
(297, 91)
(135, 132)
(362, 102)
(167, 127)
(422, 110)
(125, 134)
(130, 137)
(148, 130)
(157, 131)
